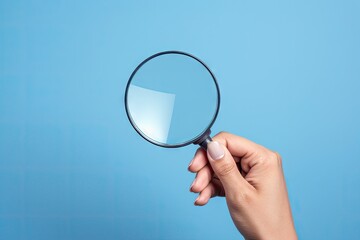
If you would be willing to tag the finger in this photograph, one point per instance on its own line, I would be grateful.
(240, 147)
(237, 146)
(199, 161)
(202, 179)
(209, 192)
(225, 168)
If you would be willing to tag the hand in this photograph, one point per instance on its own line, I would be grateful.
(252, 180)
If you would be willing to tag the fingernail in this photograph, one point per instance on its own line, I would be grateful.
(196, 200)
(215, 150)
(192, 184)
(191, 162)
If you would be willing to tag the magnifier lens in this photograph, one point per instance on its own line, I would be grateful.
(172, 99)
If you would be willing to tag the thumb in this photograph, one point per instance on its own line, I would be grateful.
(224, 166)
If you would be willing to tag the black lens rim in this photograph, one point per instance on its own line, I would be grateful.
(137, 129)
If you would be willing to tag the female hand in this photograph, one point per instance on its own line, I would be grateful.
(252, 180)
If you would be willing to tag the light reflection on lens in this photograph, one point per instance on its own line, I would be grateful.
(152, 110)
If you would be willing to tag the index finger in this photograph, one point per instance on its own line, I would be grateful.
(237, 146)
(199, 161)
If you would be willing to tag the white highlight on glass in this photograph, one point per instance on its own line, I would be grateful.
(151, 111)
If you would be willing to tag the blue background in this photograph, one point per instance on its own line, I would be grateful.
(72, 167)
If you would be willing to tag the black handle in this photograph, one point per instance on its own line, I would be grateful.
(204, 139)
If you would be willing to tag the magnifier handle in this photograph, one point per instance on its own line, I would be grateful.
(204, 139)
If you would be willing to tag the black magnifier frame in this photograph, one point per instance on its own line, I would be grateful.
(204, 137)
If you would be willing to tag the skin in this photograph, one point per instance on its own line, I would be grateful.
(252, 180)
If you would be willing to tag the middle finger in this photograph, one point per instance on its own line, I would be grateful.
(202, 179)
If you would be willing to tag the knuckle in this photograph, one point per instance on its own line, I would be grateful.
(225, 169)
(222, 133)
(278, 158)
(221, 136)
(268, 158)
(275, 158)
(272, 159)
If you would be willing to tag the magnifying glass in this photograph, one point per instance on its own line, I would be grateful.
(172, 99)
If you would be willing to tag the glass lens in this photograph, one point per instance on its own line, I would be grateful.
(172, 99)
